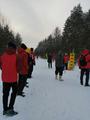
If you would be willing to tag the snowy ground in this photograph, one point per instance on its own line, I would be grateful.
(50, 99)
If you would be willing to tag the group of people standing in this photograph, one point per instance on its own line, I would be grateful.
(61, 64)
(16, 65)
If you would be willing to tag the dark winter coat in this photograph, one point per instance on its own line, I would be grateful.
(49, 59)
(59, 60)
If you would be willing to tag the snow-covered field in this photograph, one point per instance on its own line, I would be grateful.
(50, 99)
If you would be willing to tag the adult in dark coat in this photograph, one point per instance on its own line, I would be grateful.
(59, 65)
(49, 60)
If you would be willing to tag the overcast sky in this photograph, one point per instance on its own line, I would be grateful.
(36, 19)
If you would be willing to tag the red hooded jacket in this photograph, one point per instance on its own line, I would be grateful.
(87, 55)
(8, 63)
(23, 61)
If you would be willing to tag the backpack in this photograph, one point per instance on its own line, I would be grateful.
(82, 60)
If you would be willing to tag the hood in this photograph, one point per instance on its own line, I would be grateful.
(10, 51)
(85, 52)
(21, 50)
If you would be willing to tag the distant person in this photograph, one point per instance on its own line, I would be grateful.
(49, 60)
(59, 65)
(66, 59)
(84, 65)
(8, 63)
(28, 53)
(31, 62)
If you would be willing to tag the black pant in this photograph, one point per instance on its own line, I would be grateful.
(21, 83)
(30, 70)
(6, 90)
(49, 64)
(66, 66)
(86, 72)
(59, 70)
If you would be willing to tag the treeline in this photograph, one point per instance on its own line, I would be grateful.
(75, 36)
(6, 35)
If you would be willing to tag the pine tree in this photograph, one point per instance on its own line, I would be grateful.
(73, 30)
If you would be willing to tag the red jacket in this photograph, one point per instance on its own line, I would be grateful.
(66, 58)
(8, 65)
(23, 60)
(32, 54)
(85, 52)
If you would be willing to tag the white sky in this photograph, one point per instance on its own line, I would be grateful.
(36, 19)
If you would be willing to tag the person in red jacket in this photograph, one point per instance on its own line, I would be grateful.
(85, 68)
(66, 59)
(8, 63)
(23, 69)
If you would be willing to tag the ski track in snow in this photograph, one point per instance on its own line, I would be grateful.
(50, 99)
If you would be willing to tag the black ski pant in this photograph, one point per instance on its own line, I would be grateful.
(59, 70)
(6, 91)
(49, 64)
(21, 83)
(30, 70)
(66, 66)
(84, 72)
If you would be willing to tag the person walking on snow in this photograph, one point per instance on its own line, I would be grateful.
(85, 68)
(59, 65)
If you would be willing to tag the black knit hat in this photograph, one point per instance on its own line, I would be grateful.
(23, 46)
(31, 49)
(11, 45)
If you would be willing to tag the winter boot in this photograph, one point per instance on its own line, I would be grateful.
(60, 77)
(11, 112)
(81, 82)
(4, 112)
(87, 85)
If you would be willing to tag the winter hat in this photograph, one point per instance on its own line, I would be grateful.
(85, 51)
(31, 49)
(11, 45)
(23, 46)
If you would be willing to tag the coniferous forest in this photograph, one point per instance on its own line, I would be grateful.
(6, 35)
(75, 36)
